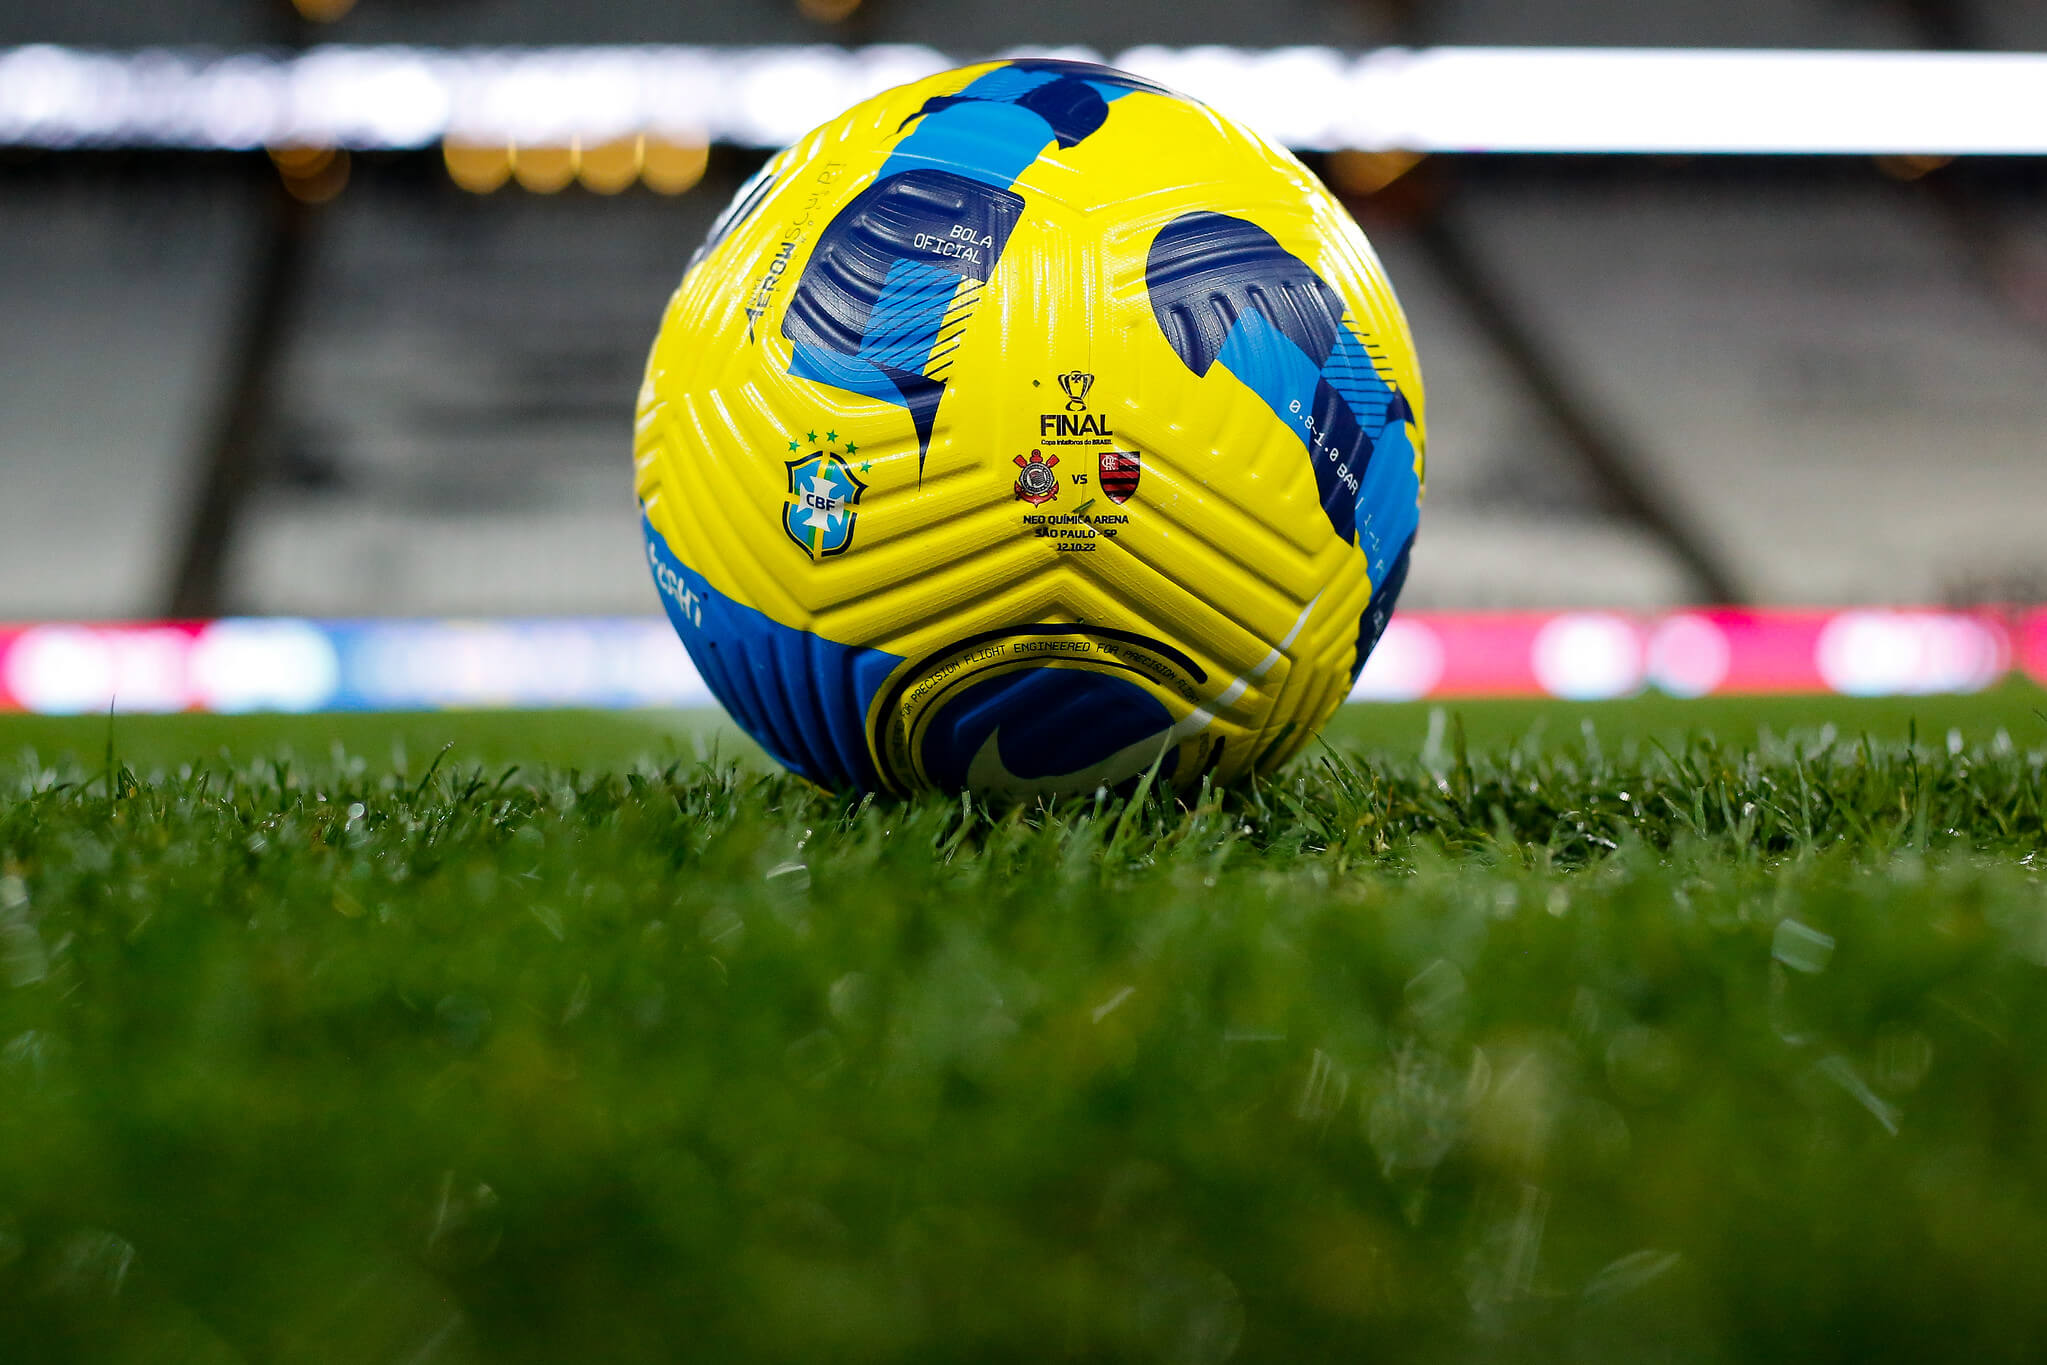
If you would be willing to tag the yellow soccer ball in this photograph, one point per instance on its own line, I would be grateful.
(1026, 429)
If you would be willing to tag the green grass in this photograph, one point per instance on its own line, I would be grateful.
(592, 740)
(1465, 1040)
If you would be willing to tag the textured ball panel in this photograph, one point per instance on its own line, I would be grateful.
(1024, 429)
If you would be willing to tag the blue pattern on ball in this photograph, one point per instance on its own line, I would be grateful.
(1225, 291)
(955, 170)
(801, 697)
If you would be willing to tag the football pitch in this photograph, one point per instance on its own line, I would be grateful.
(1651, 1030)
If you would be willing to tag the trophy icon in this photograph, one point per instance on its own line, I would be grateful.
(1076, 385)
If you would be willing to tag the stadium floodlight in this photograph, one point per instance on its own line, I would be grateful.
(1528, 100)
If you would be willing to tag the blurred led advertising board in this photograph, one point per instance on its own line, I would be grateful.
(289, 665)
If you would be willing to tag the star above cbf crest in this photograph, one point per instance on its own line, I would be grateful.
(823, 499)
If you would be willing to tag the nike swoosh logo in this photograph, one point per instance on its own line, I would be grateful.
(989, 773)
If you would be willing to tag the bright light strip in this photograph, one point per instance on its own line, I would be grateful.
(1619, 100)
(1311, 98)
(282, 664)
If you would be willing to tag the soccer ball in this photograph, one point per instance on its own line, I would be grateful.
(1026, 429)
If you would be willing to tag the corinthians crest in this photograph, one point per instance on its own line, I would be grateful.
(1037, 484)
(823, 501)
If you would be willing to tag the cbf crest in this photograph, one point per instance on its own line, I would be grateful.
(823, 501)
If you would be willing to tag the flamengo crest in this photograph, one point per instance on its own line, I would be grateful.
(1120, 471)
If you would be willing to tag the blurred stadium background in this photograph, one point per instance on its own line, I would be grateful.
(329, 319)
